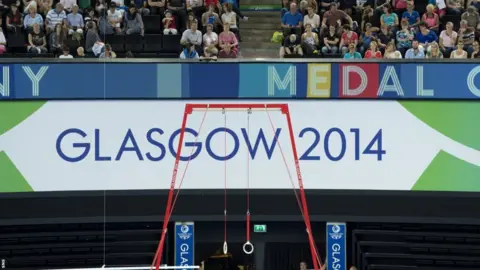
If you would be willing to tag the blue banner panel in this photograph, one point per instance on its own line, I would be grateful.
(240, 80)
(336, 246)
(184, 244)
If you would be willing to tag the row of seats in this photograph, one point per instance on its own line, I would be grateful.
(432, 247)
(147, 43)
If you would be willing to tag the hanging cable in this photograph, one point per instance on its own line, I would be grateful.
(225, 245)
(248, 246)
(317, 257)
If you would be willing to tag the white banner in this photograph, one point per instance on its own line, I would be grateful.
(124, 145)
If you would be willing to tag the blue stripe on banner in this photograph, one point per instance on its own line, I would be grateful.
(214, 80)
(336, 246)
(184, 244)
(169, 80)
(185, 80)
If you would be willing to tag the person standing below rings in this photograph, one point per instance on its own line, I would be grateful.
(179, 12)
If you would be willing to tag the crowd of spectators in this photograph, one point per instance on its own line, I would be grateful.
(355, 29)
(78, 28)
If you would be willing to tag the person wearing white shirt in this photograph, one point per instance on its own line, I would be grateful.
(114, 17)
(68, 4)
(66, 53)
(312, 19)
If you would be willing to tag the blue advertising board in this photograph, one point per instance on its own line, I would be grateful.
(336, 246)
(221, 80)
(184, 244)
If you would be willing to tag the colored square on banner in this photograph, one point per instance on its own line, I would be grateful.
(213, 81)
(272, 80)
(319, 83)
(358, 80)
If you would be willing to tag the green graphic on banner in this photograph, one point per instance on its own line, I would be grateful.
(12, 179)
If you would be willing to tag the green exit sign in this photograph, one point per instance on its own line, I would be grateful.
(260, 228)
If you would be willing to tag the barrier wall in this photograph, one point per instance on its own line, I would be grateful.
(151, 80)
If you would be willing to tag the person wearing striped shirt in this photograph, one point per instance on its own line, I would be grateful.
(54, 17)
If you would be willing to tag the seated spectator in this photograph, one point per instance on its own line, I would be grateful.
(434, 52)
(352, 53)
(291, 46)
(314, 5)
(37, 42)
(211, 17)
(448, 39)
(210, 53)
(411, 16)
(140, 5)
(75, 24)
(65, 53)
(416, 52)
(302, 8)
(373, 52)
(80, 52)
(430, 19)
(91, 15)
(331, 41)
(459, 53)
(157, 7)
(312, 18)
(400, 6)
(472, 17)
(389, 18)
(454, 7)
(133, 22)
(189, 52)
(221, 9)
(476, 50)
(367, 17)
(68, 5)
(191, 18)
(42, 6)
(348, 37)
(467, 35)
(57, 40)
(310, 41)
(384, 37)
(104, 26)
(292, 21)
(100, 5)
(366, 38)
(230, 17)
(228, 43)
(120, 4)
(335, 17)
(391, 52)
(179, 12)
(192, 36)
(169, 24)
(404, 38)
(14, 19)
(210, 39)
(55, 16)
(32, 18)
(425, 36)
(285, 7)
(114, 18)
(196, 7)
(108, 53)
(474, 3)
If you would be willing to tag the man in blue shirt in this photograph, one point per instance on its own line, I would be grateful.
(415, 52)
(292, 21)
(411, 15)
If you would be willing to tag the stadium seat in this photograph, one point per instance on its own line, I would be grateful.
(171, 43)
(152, 24)
(74, 44)
(134, 43)
(116, 41)
(146, 55)
(16, 40)
(153, 43)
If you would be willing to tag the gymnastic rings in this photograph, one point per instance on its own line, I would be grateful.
(248, 248)
(225, 248)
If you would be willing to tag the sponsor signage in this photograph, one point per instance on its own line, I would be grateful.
(336, 246)
(184, 244)
(125, 145)
(241, 80)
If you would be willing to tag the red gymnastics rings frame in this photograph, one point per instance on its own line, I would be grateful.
(301, 200)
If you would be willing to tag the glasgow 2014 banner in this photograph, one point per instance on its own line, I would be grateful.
(240, 80)
(126, 145)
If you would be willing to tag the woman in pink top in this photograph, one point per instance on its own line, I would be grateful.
(373, 52)
(431, 18)
(448, 39)
(228, 43)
